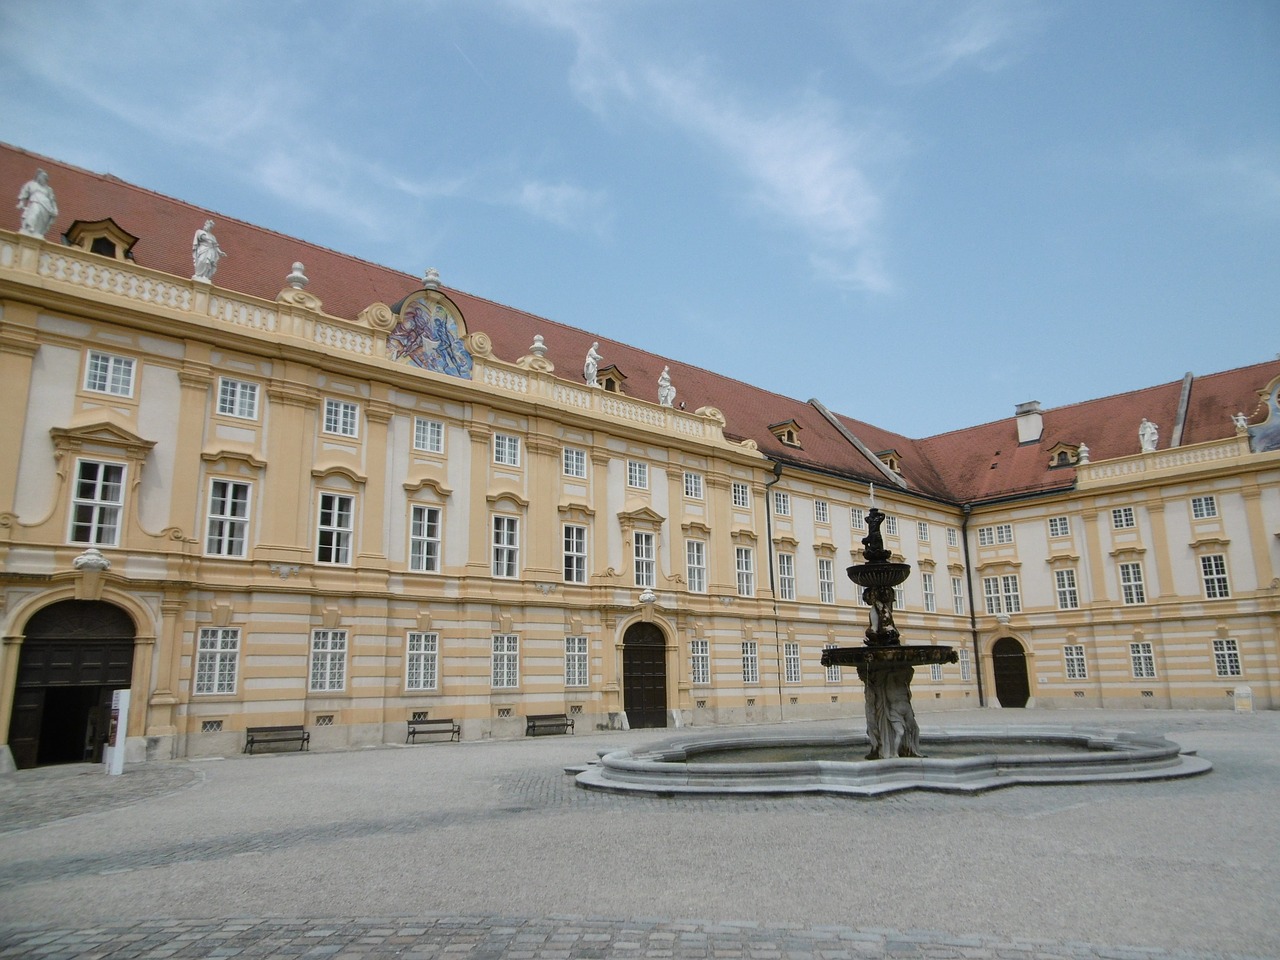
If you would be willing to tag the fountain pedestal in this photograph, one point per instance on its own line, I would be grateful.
(885, 665)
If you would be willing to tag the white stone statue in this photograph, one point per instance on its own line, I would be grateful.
(1241, 422)
(666, 392)
(205, 253)
(592, 366)
(38, 205)
(1148, 435)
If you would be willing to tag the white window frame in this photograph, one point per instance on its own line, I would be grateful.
(745, 569)
(957, 596)
(328, 670)
(833, 669)
(99, 501)
(1133, 586)
(890, 525)
(791, 662)
(997, 533)
(781, 503)
(1066, 588)
(227, 520)
(826, 580)
(1213, 573)
(341, 417)
(1073, 662)
(695, 559)
(929, 591)
(857, 518)
(935, 671)
(966, 665)
(953, 538)
(109, 373)
(237, 398)
(505, 541)
(1123, 518)
(575, 553)
(821, 511)
(922, 531)
(573, 461)
(786, 576)
(741, 495)
(428, 435)
(1226, 658)
(576, 662)
(334, 539)
(421, 660)
(1002, 594)
(750, 662)
(637, 475)
(217, 661)
(644, 552)
(1142, 660)
(1059, 527)
(504, 672)
(426, 527)
(506, 449)
(694, 489)
(700, 662)
(1204, 507)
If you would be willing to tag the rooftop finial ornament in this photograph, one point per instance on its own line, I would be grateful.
(298, 278)
(38, 205)
(431, 279)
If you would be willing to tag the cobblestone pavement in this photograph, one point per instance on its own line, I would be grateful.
(487, 851)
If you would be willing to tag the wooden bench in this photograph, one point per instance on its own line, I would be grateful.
(420, 728)
(547, 723)
(259, 735)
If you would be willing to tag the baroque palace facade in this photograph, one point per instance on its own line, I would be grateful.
(254, 498)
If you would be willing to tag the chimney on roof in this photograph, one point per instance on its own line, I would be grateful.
(1030, 422)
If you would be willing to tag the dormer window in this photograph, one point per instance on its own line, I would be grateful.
(787, 432)
(611, 378)
(1064, 455)
(891, 459)
(104, 237)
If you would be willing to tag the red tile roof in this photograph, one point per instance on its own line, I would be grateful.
(974, 464)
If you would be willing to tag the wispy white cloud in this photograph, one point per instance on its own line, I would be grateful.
(566, 205)
(1239, 181)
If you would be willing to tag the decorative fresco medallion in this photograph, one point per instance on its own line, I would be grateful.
(430, 334)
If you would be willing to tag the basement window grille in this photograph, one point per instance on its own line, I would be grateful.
(1080, 694)
(504, 713)
(418, 716)
(210, 726)
(324, 720)
(1148, 693)
(794, 701)
(702, 704)
(575, 709)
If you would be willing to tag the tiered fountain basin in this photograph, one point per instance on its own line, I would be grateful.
(962, 760)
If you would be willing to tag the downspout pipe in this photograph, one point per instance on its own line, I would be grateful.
(773, 589)
(973, 610)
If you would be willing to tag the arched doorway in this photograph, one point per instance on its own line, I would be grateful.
(1009, 661)
(74, 654)
(644, 676)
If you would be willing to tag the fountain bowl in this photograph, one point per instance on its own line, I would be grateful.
(981, 758)
(878, 574)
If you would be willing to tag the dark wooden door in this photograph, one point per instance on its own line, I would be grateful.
(644, 676)
(1009, 662)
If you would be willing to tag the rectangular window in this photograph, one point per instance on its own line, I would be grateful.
(575, 463)
(957, 595)
(421, 661)
(745, 567)
(646, 564)
(107, 373)
(1002, 594)
(953, 538)
(1143, 659)
(781, 503)
(637, 474)
(424, 538)
(216, 659)
(237, 398)
(930, 596)
(1213, 567)
(786, 576)
(506, 661)
(858, 518)
(1122, 518)
(693, 486)
(1059, 527)
(922, 531)
(328, 660)
(826, 581)
(228, 529)
(900, 597)
(966, 665)
(1068, 595)
(506, 449)
(1073, 659)
(336, 528)
(341, 417)
(1202, 508)
(575, 553)
(1226, 658)
(833, 670)
(695, 559)
(428, 435)
(741, 495)
(506, 546)
(821, 511)
(935, 671)
(1132, 588)
(750, 662)
(98, 503)
(791, 660)
(575, 661)
(890, 525)
(1000, 533)
(700, 661)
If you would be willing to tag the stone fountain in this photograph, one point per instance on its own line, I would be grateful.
(885, 664)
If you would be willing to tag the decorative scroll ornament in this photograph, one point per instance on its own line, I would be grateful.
(378, 316)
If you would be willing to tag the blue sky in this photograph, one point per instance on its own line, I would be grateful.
(920, 213)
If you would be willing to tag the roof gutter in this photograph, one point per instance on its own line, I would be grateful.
(858, 444)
